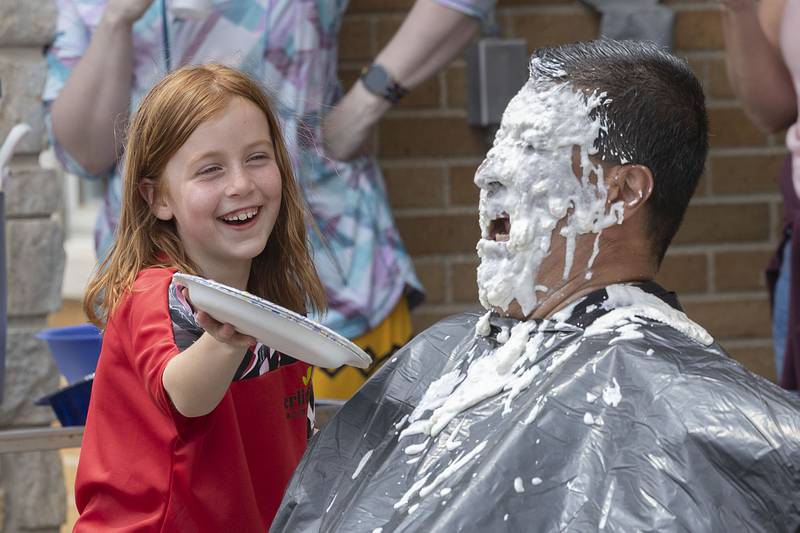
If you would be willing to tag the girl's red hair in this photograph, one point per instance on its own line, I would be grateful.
(283, 272)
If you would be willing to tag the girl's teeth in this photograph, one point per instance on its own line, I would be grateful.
(241, 216)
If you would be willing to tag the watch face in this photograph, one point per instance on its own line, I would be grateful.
(376, 79)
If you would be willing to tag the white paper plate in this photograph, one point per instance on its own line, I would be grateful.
(273, 325)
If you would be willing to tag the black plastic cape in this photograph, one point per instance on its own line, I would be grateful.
(696, 442)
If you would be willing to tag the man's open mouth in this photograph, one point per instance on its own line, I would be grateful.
(500, 228)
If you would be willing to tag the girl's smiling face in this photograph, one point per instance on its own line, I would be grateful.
(223, 189)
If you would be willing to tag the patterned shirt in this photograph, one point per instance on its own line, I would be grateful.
(291, 46)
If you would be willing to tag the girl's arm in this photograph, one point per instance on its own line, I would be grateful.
(98, 91)
(197, 378)
(430, 36)
(755, 66)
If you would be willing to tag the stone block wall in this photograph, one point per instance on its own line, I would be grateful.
(32, 494)
(429, 155)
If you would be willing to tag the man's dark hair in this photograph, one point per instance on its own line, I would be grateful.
(654, 116)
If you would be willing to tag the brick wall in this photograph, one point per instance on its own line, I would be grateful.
(429, 155)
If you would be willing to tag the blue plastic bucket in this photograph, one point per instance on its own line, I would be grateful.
(70, 403)
(75, 349)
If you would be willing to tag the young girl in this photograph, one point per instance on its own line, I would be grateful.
(193, 426)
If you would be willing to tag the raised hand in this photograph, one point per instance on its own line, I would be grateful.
(128, 11)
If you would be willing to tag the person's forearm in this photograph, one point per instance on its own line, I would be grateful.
(197, 378)
(96, 96)
(430, 36)
(757, 71)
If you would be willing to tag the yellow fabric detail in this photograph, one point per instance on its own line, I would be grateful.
(380, 343)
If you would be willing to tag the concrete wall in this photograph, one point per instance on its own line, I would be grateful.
(429, 155)
(31, 484)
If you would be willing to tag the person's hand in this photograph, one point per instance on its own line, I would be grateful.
(347, 126)
(126, 11)
(221, 331)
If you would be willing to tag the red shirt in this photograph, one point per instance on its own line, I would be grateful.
(145, 467)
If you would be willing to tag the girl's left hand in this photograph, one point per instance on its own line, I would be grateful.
(221, 331)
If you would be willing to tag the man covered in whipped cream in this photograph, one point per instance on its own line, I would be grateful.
(584, 399)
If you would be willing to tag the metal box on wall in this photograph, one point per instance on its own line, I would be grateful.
(496, 69)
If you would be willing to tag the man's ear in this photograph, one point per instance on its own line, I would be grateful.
(630, 184)
(159, 205)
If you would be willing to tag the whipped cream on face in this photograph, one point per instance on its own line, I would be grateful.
(528, 177)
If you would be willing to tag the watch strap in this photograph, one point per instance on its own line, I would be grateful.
(379, 82)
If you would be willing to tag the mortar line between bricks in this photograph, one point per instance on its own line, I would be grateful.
(353, 64)
(725, 297)
(430, 161)
(735, 199)
(693, 8)
(699, 53)
(734, 151)
(711, 272)
(773, 222)
(373, 37)
(451, 308)
(681, 250)
(409, 212)
(760, 342)
(456, 258)
(443, 89)
(722, 103)
(726, 246)
(448, 282)
(574, 9)
(712, 53)
(427, 112)
(447, 184)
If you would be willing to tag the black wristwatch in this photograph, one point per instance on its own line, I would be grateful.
(379, 82)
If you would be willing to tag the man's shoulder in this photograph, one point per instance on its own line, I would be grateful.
(460, 319)
(448, 331)
(653, 341)
(690, 369)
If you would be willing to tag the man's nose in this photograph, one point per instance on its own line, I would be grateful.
(485, 174)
